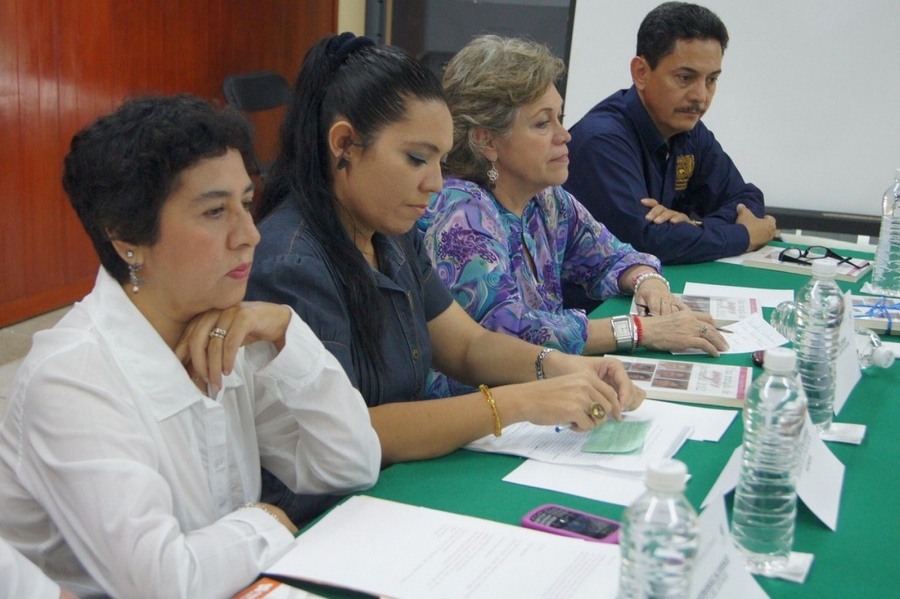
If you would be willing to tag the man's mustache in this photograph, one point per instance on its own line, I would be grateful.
(691, 109)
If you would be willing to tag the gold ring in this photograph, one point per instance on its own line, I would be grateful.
(598, 411)
(703, 330)
(217, 332)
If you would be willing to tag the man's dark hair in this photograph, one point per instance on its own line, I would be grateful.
(673, 21)
(121, 168)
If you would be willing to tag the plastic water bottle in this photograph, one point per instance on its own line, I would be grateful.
(886, 276)
(659, 537)
(812, 323)
(765, 501)
(872, 353)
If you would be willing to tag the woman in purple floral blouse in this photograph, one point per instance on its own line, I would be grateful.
(504, 236)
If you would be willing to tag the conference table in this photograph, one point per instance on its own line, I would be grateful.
(856, 560)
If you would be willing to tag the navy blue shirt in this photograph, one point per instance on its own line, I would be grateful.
(618, 157)
(291, 267)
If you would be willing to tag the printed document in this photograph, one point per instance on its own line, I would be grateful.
(405, 552)
(564, 447)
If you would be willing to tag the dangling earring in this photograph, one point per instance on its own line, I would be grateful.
(133, 269)
(342, 163)
(492, 176)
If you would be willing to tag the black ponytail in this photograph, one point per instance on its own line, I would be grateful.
(348, 77)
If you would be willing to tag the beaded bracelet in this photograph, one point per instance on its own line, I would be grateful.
(539, 363)
(258, 505)
(489, 397)
(637, 281)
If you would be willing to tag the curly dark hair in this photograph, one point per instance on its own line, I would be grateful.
(673, 21)
(121, 168)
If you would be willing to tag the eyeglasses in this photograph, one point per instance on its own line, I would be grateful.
(815, 252)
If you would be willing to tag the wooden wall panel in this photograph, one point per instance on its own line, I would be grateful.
(65, 62)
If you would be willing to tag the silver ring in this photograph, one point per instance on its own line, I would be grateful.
(703, 329)
(217, 332)
(598, 412)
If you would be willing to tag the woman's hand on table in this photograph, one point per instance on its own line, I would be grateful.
(602, 380)
(682, 330)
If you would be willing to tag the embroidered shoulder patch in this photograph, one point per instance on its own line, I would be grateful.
(684, 168)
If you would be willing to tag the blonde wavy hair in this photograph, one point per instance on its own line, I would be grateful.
(486, 83)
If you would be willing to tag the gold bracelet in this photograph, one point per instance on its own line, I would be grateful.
(256, 504)
(498, 428)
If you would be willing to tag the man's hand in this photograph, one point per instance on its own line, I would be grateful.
(761, 230)
(659, 214)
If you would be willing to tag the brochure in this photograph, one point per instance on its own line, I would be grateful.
(691, 382)
(274, 589)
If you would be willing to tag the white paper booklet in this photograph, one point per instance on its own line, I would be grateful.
(401, 551)
(724, 310)
(691, 382)
(767, 258)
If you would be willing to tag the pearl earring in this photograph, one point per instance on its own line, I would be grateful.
(133, 269)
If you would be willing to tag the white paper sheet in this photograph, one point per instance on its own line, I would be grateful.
(847, 372)
(621, 488)
(821, 477)
(719, 571)
(544, 443)
(407, 552)
(583, 481)
(706, 424)
(769, 298)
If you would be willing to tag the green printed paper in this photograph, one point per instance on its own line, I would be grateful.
(617, 436)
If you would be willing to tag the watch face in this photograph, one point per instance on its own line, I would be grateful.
(621, 328)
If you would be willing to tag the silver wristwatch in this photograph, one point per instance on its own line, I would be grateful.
(623, 331)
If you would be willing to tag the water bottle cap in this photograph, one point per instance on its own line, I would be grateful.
(666, 475)
(780, 360)
(825, 268)
(882, 357)
(897, 175)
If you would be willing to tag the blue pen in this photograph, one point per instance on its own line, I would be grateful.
(560, 429)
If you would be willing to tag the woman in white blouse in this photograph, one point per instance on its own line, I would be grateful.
(131, 448)
(21, 579)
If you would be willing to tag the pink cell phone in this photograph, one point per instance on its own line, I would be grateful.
(572, 523)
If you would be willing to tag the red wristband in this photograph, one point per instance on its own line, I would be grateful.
(639, 332)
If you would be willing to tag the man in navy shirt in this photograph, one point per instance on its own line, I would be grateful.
(644, 164)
